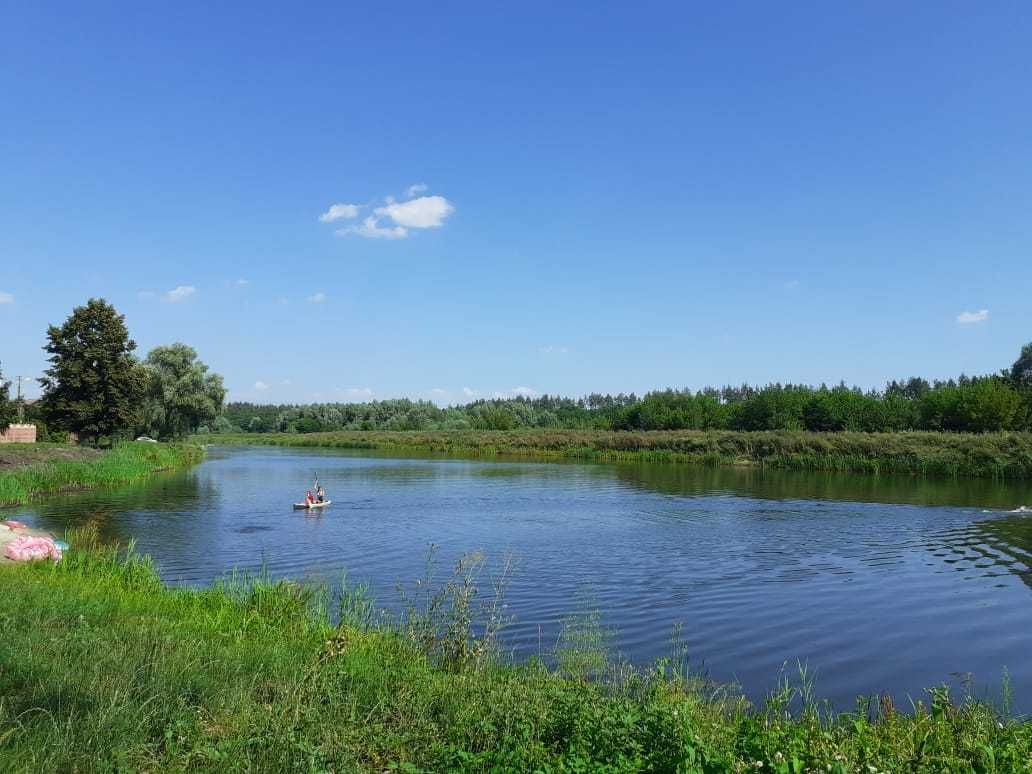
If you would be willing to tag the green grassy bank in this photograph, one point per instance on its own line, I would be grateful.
(990, 455)
(105, 669)
(33, 470)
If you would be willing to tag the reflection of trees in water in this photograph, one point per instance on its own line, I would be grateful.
(110, 512)
(803, 485)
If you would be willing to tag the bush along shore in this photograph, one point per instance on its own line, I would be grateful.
(49, 469)
(987, 455)
(103, 668)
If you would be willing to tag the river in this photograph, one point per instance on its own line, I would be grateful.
(877, 585)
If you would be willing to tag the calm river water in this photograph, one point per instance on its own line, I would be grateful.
(878, 585)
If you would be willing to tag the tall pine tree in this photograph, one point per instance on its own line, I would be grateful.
(94, 386)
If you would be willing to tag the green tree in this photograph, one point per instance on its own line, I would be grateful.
(94, 386)
(1021, 371)
(8, 410)
(181, 393)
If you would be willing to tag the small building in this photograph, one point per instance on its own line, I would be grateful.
(19, 434)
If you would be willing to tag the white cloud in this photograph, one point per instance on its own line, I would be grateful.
(340, 212)
(242, 283)
(967, 318)
(468, 392)
(371, 229)
(357, 393)
(424, 212)
(6, 298)
(393, 219)
(551, 349)
(286, 382)
(317, 298)
(261, 386)
(179, 293)
(439, 391)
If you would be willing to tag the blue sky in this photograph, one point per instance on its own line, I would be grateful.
(617, 197)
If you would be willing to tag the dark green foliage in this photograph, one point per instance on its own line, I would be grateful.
(181, 394)
(1021, 371)
(8, 410)
(94, 386)
(980, 404)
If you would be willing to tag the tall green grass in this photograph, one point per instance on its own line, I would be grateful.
(122, 464)
(103, 669)
(987, 455)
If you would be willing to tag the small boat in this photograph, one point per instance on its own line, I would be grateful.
(306, 506)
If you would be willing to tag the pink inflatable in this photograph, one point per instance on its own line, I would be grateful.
(27, 549)
(13, 524)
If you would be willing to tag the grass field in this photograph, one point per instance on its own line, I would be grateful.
(28, 471)
(104, 669)
(995, 455)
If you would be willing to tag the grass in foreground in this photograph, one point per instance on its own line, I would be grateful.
(36, 470)
(995, 455)
(104, 669)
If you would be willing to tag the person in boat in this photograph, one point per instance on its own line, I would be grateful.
(320, 494)
(309, 500)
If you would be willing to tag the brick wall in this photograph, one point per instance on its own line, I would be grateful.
(19, 434)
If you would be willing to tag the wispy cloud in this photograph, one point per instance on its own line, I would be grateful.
(393, 219)
(6, 298)
(340, 212)
(242, 283)
(439, 391)
(317, 298)
(261, 386)
(357, 393)
(469, 392)
(552, 349)
(969, 318)
(179, 293)
(371, 229)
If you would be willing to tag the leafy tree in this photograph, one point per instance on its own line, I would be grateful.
(94, 386)
(181, 394)
(223, 425)
(8, 410)
(1021, 371)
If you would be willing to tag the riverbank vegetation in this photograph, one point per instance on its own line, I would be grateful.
(993, 403)
(999, 455)
(28, 471)
(104, 668)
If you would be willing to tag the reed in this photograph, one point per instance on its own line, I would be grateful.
(103, 668)
(983, 455)
(55, 468)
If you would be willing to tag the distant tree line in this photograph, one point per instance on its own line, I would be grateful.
(976, 404)
(97, 389)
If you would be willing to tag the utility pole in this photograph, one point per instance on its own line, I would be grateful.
(18, 400)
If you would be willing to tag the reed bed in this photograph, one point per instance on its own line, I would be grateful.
(104, 669)
(988, 455)
(56, 468)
